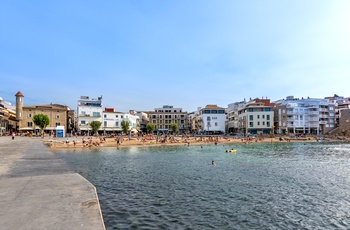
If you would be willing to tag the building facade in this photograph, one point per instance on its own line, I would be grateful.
(232, 116)
(59, 115)
(88, 110)
(255, 117)
(212, 120)
(8, 121)
(309, 116)
(163, 117)
(112, 121)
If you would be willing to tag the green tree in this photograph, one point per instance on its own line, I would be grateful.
(41, 120)
(125, 126)
(95, 126)
(174, 127)
(150, 127)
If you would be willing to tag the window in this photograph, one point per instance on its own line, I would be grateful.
(83, 122)
(153, 121)
(105, 116)
(268, 117)
(105, 123)
(121, 116)
(153, 116)
(263, 122)
(58, 124)
(250, 117)
(216, 124)
(182, 116)
(258, 116)
(258, 122)
(268, 124)
(263, 116)
(29, 115)
(169, 116)
(57, 116)
(221, 111)
(182, 121)
(250, 124)
(160, 116)
(250, 110)
(30, 124)
(96, 114)
(83, 113)
(267, 109)
(116, 124)
(206, 111)
(214, 111)
(116, 116)
(208, 124)
(208, 118)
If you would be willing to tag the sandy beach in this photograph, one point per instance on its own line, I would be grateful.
(100, 142)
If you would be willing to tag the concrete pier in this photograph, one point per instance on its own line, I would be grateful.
(39, 191)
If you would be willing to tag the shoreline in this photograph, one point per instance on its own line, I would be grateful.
(94, 143)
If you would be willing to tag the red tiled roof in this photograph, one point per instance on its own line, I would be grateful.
(19, 93)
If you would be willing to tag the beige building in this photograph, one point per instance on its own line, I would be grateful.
(59, 115)
(163, 117)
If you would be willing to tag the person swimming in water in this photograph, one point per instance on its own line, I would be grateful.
(212, 162)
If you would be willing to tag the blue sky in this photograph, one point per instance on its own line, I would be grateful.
(145, 54)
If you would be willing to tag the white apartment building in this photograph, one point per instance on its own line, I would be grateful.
(212, 119)
(112, 121)
(309, 116)
(88, 110)
(255, 117)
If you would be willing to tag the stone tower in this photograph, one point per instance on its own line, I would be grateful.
(19, 105)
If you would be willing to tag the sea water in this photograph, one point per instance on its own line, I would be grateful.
(261, 186)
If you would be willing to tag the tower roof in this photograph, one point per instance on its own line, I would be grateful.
(19, 94)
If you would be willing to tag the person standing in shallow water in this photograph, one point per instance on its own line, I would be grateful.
(13, 135)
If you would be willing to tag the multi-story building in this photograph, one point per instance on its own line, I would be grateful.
(88, 110)
(255, 117)
(112, 121)
(193, 121)
(143, 121)
(232, 116)
(59, 115)
(8, 121)
(309, 116)
(163, 117)
(212, 119)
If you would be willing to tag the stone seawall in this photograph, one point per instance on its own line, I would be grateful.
(39, 191)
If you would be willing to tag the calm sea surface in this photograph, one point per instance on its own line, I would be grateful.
(262, 186)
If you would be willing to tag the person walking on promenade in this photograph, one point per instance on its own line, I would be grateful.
(13, 135)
